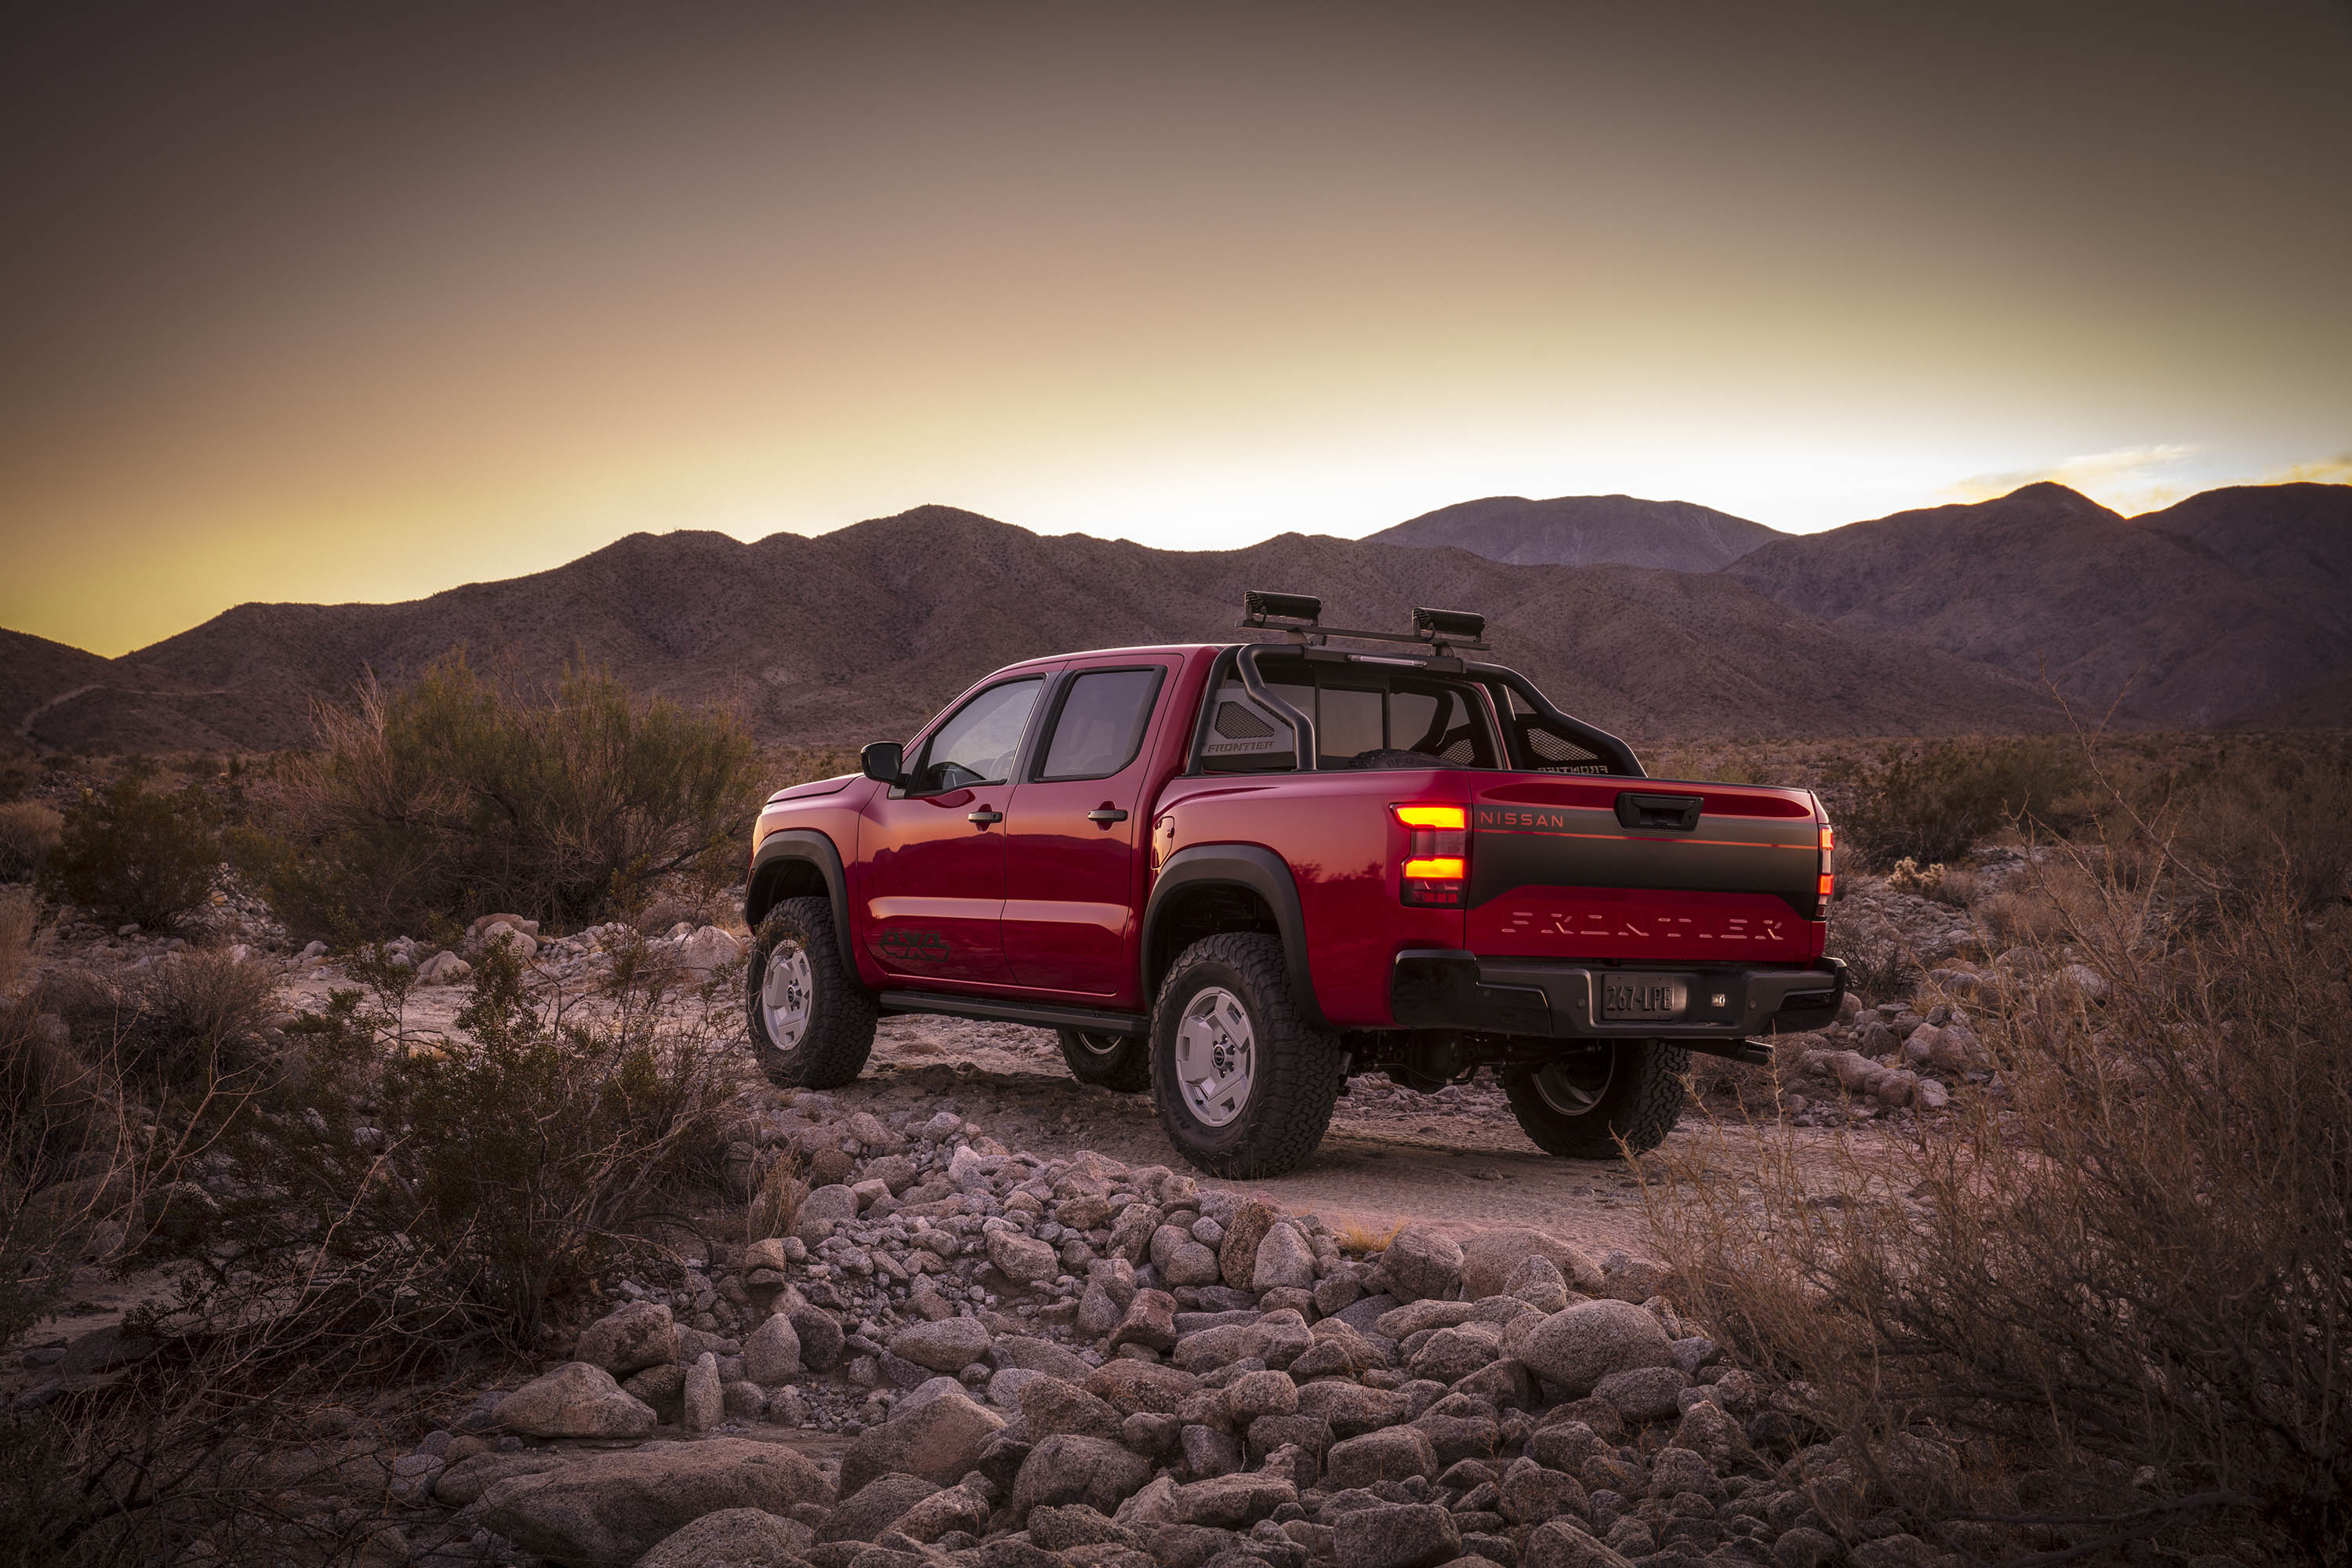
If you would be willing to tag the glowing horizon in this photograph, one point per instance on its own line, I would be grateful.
(282, 332)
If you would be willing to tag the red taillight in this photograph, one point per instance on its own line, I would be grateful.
(1829, 881)
(1436, 855)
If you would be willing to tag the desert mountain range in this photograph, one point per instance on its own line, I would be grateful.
(1587, 531)
(2231, 608)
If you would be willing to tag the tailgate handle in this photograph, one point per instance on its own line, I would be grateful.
(1659, 813)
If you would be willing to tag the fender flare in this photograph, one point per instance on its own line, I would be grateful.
(808, 845)
(1259, 870)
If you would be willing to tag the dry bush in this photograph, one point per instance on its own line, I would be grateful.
(1360, 1237)
(2118, 1280)
(775, 1208)
(457, 795)
(29, 831)
(1935, 801)
(146, 855)
(480, 1182)
(197, 1018)
(378, 1208)
(17, 919)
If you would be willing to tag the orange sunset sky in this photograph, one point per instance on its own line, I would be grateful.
(331, 302)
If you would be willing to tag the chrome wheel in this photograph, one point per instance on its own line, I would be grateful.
(1103, 1046)
(1216, 1056)
(1574, 1085)
(786, 994)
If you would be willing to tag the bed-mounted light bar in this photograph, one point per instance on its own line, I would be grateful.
(1299, 617)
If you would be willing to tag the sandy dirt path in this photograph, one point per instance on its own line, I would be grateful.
(1456, 1159)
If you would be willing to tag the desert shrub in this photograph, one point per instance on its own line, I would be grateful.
(2115, 1281)
(29, 831)
(2253, 822)
(59, 1139)
(17, 918)
(455, 795)
(196, 1019)
(775, 1205)
(462, 1189)
(1936, 802)
(143, 853)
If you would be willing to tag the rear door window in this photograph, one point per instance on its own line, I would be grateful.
(1100, 724)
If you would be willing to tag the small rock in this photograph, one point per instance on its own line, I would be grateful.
(1388, 1455)
(1398, 1535)
(1068, 1467)
(1490, 1259)
(1643, 1394)
(1237, 1249)
(705, 1402)
(1579, 1346)
(608, 1510)
(939, 1439)
(948, 1345)
(1284, 1261)
(874, 1508)
(1023, 1259)
(1419, 1262)
(636, 1336)
(748, 1536)
(575, 1400)
(1564, 1543)
(771, 1354)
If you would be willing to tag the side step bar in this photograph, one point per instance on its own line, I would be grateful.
(989, 1009)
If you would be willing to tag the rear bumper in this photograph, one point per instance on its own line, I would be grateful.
(1438, 989)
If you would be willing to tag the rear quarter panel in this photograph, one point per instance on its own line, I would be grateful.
(1343, 846)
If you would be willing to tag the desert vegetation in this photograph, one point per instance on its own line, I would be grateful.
(461, 792)
(2108, 1288)
(2093, 1288)
(136, 849)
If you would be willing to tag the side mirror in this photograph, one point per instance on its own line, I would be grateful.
(884, 762)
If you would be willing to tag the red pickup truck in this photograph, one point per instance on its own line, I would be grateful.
(1239, 874)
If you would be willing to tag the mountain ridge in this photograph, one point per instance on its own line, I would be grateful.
(1944, 619)
(1586, 530)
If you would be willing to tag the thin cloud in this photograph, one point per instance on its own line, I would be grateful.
(2335, 470)
(2130, 479)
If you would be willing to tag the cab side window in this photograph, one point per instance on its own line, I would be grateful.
(1099, 726)
(978, 743)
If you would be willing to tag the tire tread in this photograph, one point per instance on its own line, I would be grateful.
(1643, 1116)
(1300, 1070)
(841, 1027)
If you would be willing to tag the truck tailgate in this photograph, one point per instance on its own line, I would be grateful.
(1659, 871)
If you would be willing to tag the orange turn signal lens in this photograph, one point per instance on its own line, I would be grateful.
(1452, 816)
(1440, 869)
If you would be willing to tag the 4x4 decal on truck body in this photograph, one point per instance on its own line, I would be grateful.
(926, 946)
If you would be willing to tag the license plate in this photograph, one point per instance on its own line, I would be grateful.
(1643, 996)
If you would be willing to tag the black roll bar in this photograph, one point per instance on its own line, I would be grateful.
(1302, 728)
(1620, 756)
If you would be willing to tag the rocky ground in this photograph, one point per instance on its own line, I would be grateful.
(1002, 1330)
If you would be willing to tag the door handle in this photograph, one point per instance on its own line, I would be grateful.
(982, 818)
(1106, 815)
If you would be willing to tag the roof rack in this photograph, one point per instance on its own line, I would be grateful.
(1299, 617)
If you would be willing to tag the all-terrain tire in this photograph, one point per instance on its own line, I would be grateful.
(1295, 1068)
(1120, 1063)
(838, 1034)
(1639, 1104)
